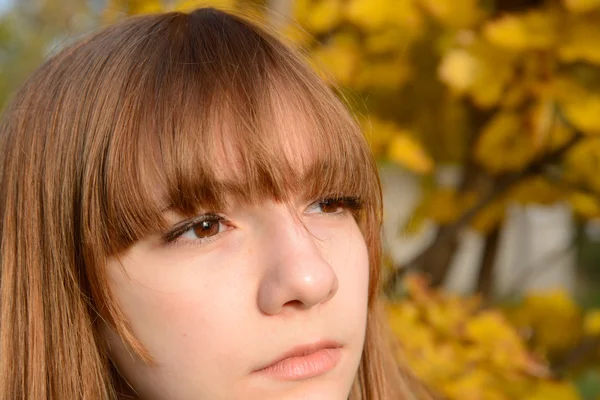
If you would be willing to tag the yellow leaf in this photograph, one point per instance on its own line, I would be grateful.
(560, 134)
(492, 331)
(405, 14)
(324, 15)
(378, 133)
(535, 30)
(418, 288)
(409, 153)
(480, 70)
(581, 6)
(542, 120)
(382, 73)
(368, 14)
(372, 15)
(455, 13)
(297, 35)
(114, 11)
(547, 313)
(339, 58)
(458, 69)
(516, 94)
(585, 205)
(190, 5)
(135, 7)
(444, 206)
(536, 190)
(591, 323)
(301, 10)
(548, 390)
(473, 385)
(386, 41)
(579, 41)
(405, 312)
(580, 106)
(446, 317)
(438, 363)
(490, 217)
(582, 164)
(465, 353)
(504, 145)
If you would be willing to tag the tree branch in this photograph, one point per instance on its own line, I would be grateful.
(577, 355)
(501, 186)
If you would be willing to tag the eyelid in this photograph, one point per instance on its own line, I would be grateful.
(352, 204)
(179, 229)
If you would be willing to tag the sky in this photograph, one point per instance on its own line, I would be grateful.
(5, 4)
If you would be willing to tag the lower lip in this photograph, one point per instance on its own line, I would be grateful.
(303, 367)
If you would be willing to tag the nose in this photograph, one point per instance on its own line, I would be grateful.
(298, 274)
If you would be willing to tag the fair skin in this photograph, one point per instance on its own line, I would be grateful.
(212, 311)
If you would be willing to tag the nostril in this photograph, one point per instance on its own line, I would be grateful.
(295, 304)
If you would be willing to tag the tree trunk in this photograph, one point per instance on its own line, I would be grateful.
(485, 280)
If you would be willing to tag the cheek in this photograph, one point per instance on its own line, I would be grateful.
(348, 256)
(351, 263)
(346, 251)
(199, 309)
(186, 320)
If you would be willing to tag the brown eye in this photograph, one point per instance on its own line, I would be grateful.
(199, 230)
(336, 205)
(206, 228)
(331, 206)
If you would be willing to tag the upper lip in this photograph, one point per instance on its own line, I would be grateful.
(303, 350)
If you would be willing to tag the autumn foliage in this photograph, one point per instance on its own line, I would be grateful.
(467, 82)
(467, 350)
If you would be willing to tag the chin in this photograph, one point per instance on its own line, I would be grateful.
(335, 385)
(309, 391)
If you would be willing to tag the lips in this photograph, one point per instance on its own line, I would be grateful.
(302, 350)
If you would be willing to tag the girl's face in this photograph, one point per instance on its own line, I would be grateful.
(222, 295)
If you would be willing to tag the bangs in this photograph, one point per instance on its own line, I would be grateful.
(222, 112)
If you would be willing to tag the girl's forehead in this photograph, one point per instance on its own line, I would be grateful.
(282, 160)
(286, 138)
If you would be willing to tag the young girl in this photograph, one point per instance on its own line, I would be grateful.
(187, 212)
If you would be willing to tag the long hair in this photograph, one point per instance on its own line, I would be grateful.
(149, 101)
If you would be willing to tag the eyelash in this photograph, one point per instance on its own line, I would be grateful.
(349, 204)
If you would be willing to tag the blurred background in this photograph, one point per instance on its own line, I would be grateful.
(484, 116)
